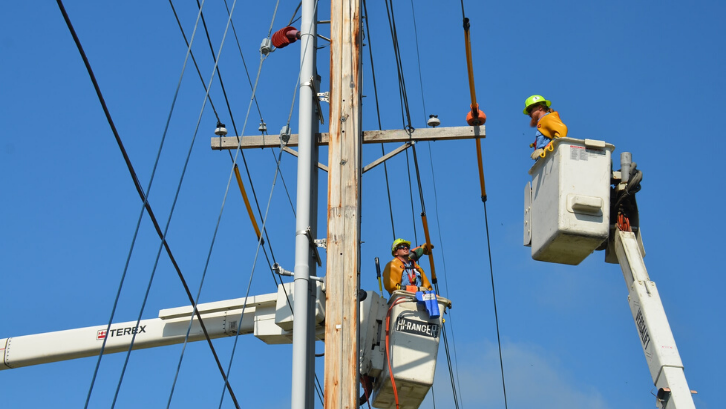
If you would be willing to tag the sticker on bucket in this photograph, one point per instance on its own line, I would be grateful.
(417, 327)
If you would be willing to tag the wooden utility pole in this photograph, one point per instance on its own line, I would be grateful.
(344, 191)
(344, 140)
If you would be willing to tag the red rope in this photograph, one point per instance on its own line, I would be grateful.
(388, 356)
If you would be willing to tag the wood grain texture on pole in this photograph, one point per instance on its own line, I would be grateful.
(344, 190)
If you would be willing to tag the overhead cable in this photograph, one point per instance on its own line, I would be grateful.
(378, 113)
(410, 193)
(254, 262)
(448, 362)
(399, 66)
(438, 224)
(259, 111)
(234, 124)
(194, 60)
(443, 263)
(405, 112)
(317, 386)
(418, 59)
(219, 72)
(211, 102)
(244, 63)
(410, 129)
(434, 280)
(253, 88)
(143, 196)
(494, 299)
(474, 120)
(229, 109)
(293, 19)
(277, 171)
(168, 223)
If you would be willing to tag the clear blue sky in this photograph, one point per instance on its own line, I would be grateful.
(646, 77)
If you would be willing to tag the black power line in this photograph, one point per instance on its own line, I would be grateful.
(140, 190)
(410, 129)
(491, 268)
(494, 298)
(378, 112)
(254, 97)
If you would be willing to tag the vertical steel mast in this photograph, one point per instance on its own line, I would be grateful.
(344, 194)
(303, 348)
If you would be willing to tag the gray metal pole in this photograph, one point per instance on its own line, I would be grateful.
(301, 391)
(625, 160)
(313, 228)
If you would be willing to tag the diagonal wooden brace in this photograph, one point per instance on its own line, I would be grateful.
(387, 156)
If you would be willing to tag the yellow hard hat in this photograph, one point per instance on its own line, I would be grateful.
(398, 242)
(534, 99)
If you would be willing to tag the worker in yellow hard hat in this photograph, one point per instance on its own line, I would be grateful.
(546, 120)
(403, 273)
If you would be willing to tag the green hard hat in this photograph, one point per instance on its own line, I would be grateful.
(534, 99)
(396, 243)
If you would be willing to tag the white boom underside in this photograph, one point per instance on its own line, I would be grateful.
(656, 337)
(266, 316)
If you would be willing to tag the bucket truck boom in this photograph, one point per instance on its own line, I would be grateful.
(575, 205)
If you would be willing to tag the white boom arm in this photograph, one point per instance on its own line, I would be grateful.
(268, 316)
(656, 337)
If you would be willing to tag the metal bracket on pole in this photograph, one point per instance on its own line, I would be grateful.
(277, 269)
(285, 134)
(324, 96)
(321, 243)
(281, 271)
(313, 246)
(316, 98)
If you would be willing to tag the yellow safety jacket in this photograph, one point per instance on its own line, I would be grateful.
(393, 274)
(552, 126)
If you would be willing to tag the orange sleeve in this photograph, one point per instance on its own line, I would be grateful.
(391, 277)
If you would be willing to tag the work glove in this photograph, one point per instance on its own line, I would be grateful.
(536, 153)
(427, 248)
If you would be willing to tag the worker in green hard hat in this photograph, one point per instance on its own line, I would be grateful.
(403, 272)
(537, 107)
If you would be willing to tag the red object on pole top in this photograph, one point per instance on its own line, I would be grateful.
(480, 119)
(284, 37)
